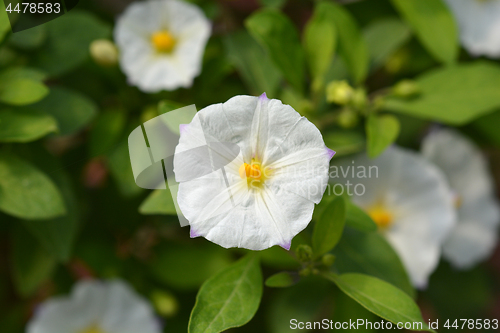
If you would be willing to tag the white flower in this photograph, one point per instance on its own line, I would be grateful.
(96, 307)
(162, 43)
(475, 235)
(479, 25)
(276, 169)
(410, 201)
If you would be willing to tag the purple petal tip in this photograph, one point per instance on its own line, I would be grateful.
(193, 234)
(182, 128)
(286, 246)
(263, 97)
(330, 152)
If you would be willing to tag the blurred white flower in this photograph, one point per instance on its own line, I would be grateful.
(479, 25)
(475, 235)
(161, 43)
(410, 201)
(96, 307)
(266, 192)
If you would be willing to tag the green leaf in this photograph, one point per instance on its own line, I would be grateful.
(273, 3)
(31, 264)
(381, 131)
(384, 37)
(27, 193)
(106, 132)
(22, 91)
(186, 266)
(25, 125)
(69, 38)
(12, 73)
(454, 95)
(381, 298)
(158, 202)
(352, 46)
(253, 64)
(4, 21)
(358, 219)
(434, 26)
(320, 40)
(277, 34)
(329, 227)
(71, 109)
(228, 299)
(30, 38)
(369, 253)
(119, 165)
(345, 142)
(281, 280)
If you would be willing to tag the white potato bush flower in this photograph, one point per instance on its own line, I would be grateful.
(410, 201)
(475, 235)
(275, 170)
(96, 307)
(479, 25)
(161, 43)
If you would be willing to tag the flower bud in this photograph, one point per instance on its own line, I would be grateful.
(347, 118)
(104, 52)
(328, 259)
(359, 99)
(304, 253)
(339, 92)
(406, 88)
(165, 303)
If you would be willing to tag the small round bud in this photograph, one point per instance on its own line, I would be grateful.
(165, 303)
(304, 253)
(359, 99)
(305, 271)
(328, 259)
(104, 52)
(348, 118)
(339, 92)
(406, 88)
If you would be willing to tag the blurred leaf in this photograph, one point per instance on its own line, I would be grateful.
(12, 73)
(328, 228)
(30, 38)
(22, 91)
(320, 40)
(25, 125)
(186, 267)
(380, 297)
(228, 299)
(281, 280)
(31, 265)
(358, 219)
(158, 202)
(106, 132)
(119, 165)
(434, 26)
(277, 34)
(352, 46)
(27, 193)
(252, 62)
(57, 235)
(381, 131)
(71, 109)
(4, 21)
(454, 95)
(383, 37)
(305, 301)
(344, 142)
(69, 37)
(370, 253)
(273, 3)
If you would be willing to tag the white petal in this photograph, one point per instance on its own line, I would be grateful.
(417, 195)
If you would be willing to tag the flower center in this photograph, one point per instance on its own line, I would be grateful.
(163, 41)
(381, 216)
(254, 173)
(93, 329)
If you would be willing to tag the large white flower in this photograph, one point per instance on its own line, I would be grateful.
(275, 170)
(161, 43)
(475, 235)
(96, 307)
(410, 201)
(479, 25)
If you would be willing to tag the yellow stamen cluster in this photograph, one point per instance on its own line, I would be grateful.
(163, 41)
(93, 329)
(254, 173)
(381, 217)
